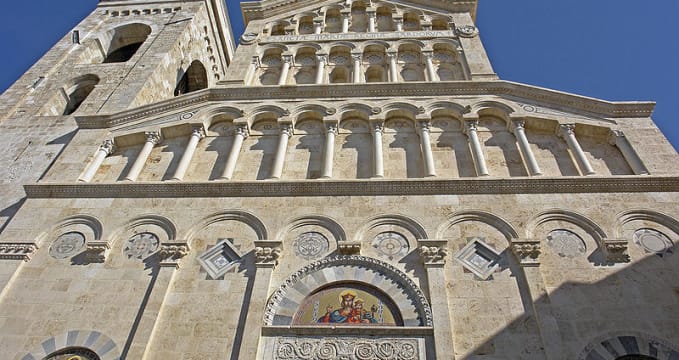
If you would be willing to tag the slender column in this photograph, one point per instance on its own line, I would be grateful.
(196, 135)
(329, 154)
(371, 20)
(567, 132)
(105, 149)
(617, 138)
(252, 70)
(520, 134)
(277, 170)
(527, 252)
(433, 254)
(357, 67)
(287, 61)
(346, 16)
(428, 60)
(318, 26)
(267, 253)
(152, 138)
(320, 69)
(477, 152)
(241, 134)
(425, 142)
(378, 161)
(393, 73)
(398, 23)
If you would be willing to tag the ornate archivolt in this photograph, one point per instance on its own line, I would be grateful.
(618, 344)
(402, 291)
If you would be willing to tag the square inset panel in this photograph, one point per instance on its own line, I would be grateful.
(219, 259)
(479, 258)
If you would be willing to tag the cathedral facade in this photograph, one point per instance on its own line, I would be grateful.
(352, 181)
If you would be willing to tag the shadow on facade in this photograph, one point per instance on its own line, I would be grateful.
(629, 312)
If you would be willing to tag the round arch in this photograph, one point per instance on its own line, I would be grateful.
(485, 217)
(568, 216)
(325, 222)
(412, 304)
(613, 346)
(645, 215)
(95, 341)
(403, 221)
(238, 215)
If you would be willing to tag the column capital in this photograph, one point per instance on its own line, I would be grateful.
(319, 20)
(96, 251)
(256, 61)
(428, 54)
(171, 252)
(614, 136)
(526, 251)
(198, 131)
(108, 146)
(424, 125)
(565, 130)
(357, 56)
(392, 54)
(286, 128)
(331, 126)
(287, 58)
(349, 247)
(267, 252)
(470, 125)
(433, 252)
(376, 126)
(322, 58)
(346, 13)
(372, 12)
(152, 137)
(242, 130)
(517, 124)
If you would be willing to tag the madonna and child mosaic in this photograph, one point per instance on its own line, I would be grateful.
(348, 305)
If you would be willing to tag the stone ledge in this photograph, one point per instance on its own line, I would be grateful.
(561, 185)
(348, 330)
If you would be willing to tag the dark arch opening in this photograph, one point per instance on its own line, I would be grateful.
(636, 357)
(78, 92)
(124, 41)
(71, 353)
(195, 78)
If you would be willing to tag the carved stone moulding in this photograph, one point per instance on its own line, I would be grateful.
(17, 251)
(349, 348)
(615, 250)
(172, 252)
(527, 252)
(267, 252)
(433, 252)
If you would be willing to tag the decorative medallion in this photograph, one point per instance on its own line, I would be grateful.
(67, 245)
(566, 243)
(141, 245)
(468, 31)
(391, 245)
(310, 245)
(652, 241)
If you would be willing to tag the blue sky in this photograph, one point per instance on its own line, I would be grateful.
(608, 49)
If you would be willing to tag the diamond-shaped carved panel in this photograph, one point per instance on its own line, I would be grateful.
(219, 259)
(479, 258)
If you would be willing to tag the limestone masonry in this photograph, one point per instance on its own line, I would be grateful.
(352, 181)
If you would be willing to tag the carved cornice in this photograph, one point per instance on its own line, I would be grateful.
(563, 101)
(563, 185)
(17, 251)
(267, 252)
(172, 252)
(527, 252)
(615, 250)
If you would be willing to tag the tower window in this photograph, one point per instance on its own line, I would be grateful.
(195, 78)
(121, 43)
(70, 97)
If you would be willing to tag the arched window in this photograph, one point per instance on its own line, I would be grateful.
(195, 78)
(75, 353)
(375, 73)
(339, 75)
(70, 97)
(121, 43)
(636, 357)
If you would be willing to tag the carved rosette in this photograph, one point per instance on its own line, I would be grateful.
(349, 247)
(267, 252)
(527, 252)
(615, 250)
(17, 251)
(433, 252)
(96, 251)
(172, 253)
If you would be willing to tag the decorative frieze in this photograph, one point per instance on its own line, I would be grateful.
(172, 253)
(347, 348)
(17, 251)
(527, 251)
(486, 186)
(615, 250)
(267, 252)
(391, 35)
